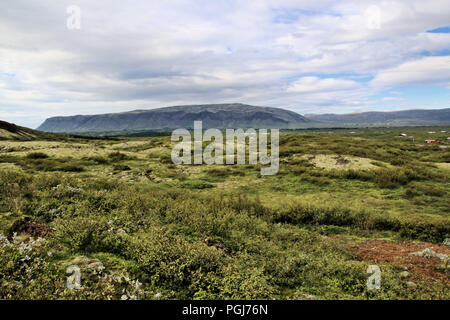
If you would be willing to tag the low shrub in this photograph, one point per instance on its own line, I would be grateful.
(118, 156)
(196, 184)
(166, 159)
(37, 155)
(121, 167)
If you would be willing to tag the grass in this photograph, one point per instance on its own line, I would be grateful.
(196, 184)
(122, 203)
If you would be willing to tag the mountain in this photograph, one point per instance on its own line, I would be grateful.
(10, 131)
(395, 118)
(220, 116)
(236, 115)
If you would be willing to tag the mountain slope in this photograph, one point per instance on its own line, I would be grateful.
(405, 117)
(213, 116)
(10, 131)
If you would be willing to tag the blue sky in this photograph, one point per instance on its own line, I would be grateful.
(307, 56)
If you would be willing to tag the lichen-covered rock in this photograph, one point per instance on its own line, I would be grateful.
(404, 274)
(411, 285)
(446, 242)
(428, 253)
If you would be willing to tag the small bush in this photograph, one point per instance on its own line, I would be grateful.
(118, 156)
(166, 159)
(218, 172)
(37, 155)
(97, 160)
(196, 184)
(120, 167)
(69, 168)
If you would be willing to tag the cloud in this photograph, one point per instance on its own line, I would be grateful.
(392, 99)
(424, 71)
(315, 84)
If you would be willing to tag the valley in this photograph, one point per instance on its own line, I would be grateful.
(136, 224)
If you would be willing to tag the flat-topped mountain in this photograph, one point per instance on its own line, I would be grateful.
(404, 117)
(220, 116)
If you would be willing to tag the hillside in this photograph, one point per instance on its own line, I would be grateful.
(213, 116)
(398, 118)
(10, 131)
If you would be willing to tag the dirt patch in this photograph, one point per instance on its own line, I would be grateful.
(399, 253)
(341, 161)
(29, 227)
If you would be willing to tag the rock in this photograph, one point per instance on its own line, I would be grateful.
(304, 296)
(87, 265)
(411, 285)
(404, 274)
(120, 231)
(428, 253)
(69, 189)
(446, 242)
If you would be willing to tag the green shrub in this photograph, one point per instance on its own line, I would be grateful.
(69, 168)
(196, 184)
(37, 155)
(97, 160)
(118, 156)
(166, 159)
(121, 167)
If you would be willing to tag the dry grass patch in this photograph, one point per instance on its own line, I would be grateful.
(333, 161)
(443, 165)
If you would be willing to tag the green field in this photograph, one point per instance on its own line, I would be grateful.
(136, 224)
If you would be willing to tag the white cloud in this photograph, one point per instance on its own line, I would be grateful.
(392, 99)
(424, 71)
(315, 84)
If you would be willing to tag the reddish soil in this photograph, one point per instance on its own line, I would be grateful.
(398, 253)
(30, 227)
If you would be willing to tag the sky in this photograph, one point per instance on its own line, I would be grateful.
(61, 58)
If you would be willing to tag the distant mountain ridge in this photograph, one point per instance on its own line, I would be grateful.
(234, 115)
(404, 117)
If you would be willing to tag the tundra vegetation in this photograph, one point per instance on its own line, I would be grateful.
(140, 227)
